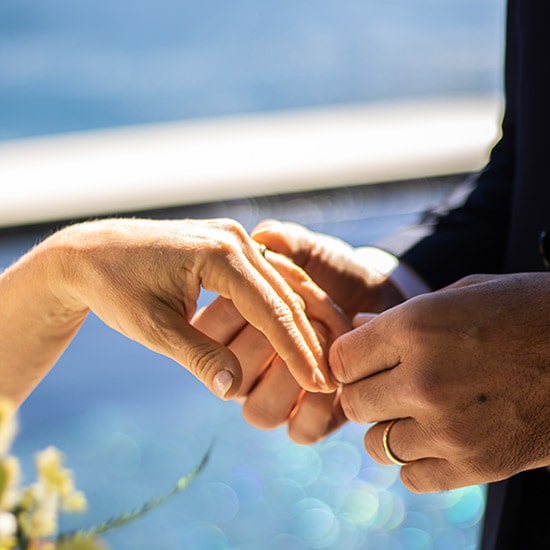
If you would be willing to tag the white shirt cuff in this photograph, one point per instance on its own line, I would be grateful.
(403, 277)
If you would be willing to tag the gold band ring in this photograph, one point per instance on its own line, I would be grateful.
(387, 449)
(263, 249)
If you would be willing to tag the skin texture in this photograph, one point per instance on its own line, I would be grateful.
(143, 278)
(333, 265)
(270, 395)
(466, 370)
(269, 392)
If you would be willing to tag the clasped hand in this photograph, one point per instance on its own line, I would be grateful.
(463, 371)
(143, 278)
(456, 382)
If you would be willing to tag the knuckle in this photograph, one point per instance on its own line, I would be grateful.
(427, 391)
(302, 436)
(223, 249)
(228, 236)
(487, 467)
(417, 314)
(351, 404)
(263, 415)
(235, 229)
(471, 279)
(294, 301)
(311, 419)
(482, 468)
(282, 313)
(412, 480)
(202, 360)
(336, 360)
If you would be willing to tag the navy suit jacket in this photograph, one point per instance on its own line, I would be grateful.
(497, 229)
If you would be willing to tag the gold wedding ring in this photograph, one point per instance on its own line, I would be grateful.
(387, 449)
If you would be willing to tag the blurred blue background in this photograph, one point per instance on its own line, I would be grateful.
(71, 64)
(131, 422)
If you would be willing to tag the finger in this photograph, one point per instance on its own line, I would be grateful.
(272, 400)
(326, 318)
(424, 472)
(255, 354)
(407, 440)
(318, 304)
(291, 239)
(377, 398)
(433, 475)
(220, 320)
(364, 351)
(267, 302)
(300, 244)
(297, 286)
(212, 363)
(316, 416)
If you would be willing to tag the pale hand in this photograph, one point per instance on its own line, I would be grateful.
(143, 278)
(270, 394)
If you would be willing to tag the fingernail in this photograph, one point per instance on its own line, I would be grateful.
(222, 383)
(320, 379)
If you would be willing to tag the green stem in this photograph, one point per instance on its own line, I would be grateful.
(125, 518)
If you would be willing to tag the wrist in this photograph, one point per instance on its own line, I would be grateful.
(56, 261)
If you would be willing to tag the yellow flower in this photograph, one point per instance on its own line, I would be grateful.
(8, 425)
(39, 517)
(8, 530)
(41, 501)
(10, 474)
(51, 473)
(58, 480)
(74, 502)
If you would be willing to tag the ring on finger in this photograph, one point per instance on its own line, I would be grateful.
(386, 444)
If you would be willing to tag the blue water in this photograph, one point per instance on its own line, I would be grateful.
(131, 422)
(70, 65)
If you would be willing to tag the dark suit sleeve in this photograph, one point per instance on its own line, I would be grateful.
(469, 237)
(496, 230)
(472, 236)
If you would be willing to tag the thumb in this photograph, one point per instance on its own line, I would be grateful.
(364, 351)
(213, 364)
